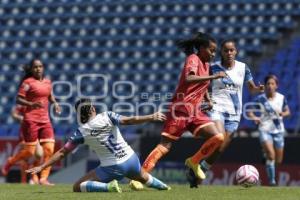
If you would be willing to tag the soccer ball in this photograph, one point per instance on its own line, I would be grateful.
(247, 176)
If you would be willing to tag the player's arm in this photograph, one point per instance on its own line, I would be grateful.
(22, 101)
(16, 116)
(253, 88)
(60, 154)
(253, 117)
(158, 116)
(286, 112)
(56, 105)
(192, 78)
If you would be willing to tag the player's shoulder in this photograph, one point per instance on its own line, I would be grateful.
(215, 64)
(279, 95)
(193, 59)
(47, 80)
(260, 96)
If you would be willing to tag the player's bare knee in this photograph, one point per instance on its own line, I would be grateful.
(220, 138)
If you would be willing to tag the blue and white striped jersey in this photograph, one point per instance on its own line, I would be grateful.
(103, 136)
(227, 91)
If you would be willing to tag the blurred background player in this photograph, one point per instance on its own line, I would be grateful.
(185, 114)
(17, 113)
(226, 93)
(273, 108)
(117, 159)
(35, 92)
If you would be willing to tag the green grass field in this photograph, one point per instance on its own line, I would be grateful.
(178, 192)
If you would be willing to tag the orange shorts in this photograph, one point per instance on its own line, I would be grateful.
(178, 122)
(34, 131)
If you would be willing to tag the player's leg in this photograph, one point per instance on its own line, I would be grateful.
(267, 145)
(215, 139)
(38, 155)
(30, 137)
(47, 142)
(157, 153)
(132, 169)
(229, 128)
(91, 182)
(278, 141)
(173, 128)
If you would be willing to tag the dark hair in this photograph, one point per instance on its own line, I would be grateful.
(199, 40)
(227, 41)
(27, 69)
(271, 76)
(85, 106)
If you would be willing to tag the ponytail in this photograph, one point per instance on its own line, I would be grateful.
(199, 40)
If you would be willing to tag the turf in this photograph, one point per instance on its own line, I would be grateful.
(178, 192)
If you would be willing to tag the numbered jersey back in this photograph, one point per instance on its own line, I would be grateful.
(103, 136)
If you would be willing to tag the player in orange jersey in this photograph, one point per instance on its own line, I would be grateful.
(35, 92)
(18, 114)
(185, 113)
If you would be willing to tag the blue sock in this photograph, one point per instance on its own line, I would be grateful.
(204, 166)
(93, 186)
(155, 183)
(270, 167)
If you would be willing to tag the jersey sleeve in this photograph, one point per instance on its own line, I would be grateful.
(76, 138)
(114, 118)
(285, 104)
(248, 75)
(24, 89)
(191, 65)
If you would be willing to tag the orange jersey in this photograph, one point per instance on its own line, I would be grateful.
(34, 90)
(188, 96)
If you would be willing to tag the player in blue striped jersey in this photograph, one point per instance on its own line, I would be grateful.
(117, 159)
(226, 95)
(273, 108)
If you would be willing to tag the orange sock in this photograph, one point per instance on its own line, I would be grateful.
(26, 152)
(154, 156)
(23, 167)
(208, 148)
(48, 148)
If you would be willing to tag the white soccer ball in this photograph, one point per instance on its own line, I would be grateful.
(247, 176)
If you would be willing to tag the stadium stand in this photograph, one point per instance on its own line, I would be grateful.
(133, 40)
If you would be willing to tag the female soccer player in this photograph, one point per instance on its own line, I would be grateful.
(117, 159)
(273, 108)
(226, 93)
(18, 114)
(35, 93)
(185, 114)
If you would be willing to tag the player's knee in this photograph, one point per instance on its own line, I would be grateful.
(220, 138)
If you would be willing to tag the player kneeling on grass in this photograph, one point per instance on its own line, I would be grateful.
(117, 159)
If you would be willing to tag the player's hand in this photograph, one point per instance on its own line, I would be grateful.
(158, 116)
(206, 106)
(57, 108)
(36, 105)
(34, 170)
(257, 120)
(261, 88)
(220, 75)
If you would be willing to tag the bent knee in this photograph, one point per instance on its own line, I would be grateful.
(220, 137)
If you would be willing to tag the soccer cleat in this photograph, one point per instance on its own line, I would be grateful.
(5, 168)
(46, 182)
(192, 179)
(196, 169)
(113, 186)
(136, 185)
